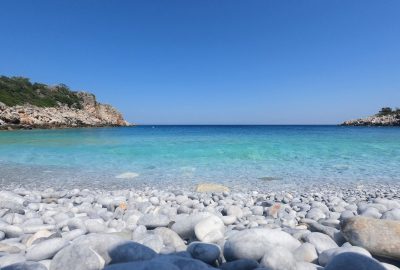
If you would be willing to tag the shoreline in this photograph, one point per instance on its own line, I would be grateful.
(176, 227)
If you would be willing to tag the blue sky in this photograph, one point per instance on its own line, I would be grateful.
(212, 62)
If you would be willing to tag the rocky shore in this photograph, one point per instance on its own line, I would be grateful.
(375, 120)
(91, 114)
(210, 227)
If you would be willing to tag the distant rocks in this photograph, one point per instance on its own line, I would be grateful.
(376, 120)
(91, 114)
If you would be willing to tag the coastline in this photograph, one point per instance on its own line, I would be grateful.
(163, 228)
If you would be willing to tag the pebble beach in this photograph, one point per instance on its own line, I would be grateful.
(208, 226)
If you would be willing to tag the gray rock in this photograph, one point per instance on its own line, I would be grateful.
(208, 253)
(278, 258)
(326, 256)
(152, 221)
(76, 257)
(146, 265)
(95, 225)
(393, 214)
(130, 251)
(170, 239)
(184, 224)
(46, 249)
(306, 252)
(210, 229)
(243, 264)
(182, 263)
(320, 241)
(25, 266)
(253, 243)
(315, 214)
(11, 259)
(351, 261)
(106, 244)
(307, 266)
(371, 212)
(378, 236)
(234, 210)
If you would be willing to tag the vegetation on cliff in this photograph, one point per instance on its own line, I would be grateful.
(388, 111)
(20, 91)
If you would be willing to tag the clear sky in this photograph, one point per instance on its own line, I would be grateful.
(212, 61)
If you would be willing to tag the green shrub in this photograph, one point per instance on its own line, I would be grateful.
(19, 91)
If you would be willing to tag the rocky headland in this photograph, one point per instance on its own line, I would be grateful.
(26, 105)
(386, 117)
(211, 227)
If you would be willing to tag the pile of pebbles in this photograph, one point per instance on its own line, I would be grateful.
(325, 227)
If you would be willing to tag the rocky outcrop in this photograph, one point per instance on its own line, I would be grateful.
(376, 120)
(89, 114)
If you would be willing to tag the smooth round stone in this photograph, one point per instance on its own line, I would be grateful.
(306, 252)
(25, 266)
(278, 258)
(320, 241)
(210, 229)
(75, 257)
(170, 239)
(393, 214)
(71, 235)
(182, 262)
(76, 223)
(253, 243)
(11, 259)
(111, 247)
(46, 249)
(378, 236)
(38, 235)
(326, 256)
(307, 266)
(2, 235)
(11, 231)
(152, 221)
(95, 225)
(234, 210)
(208, 253)
(257, 210)
(371, 212)
(145, 265)
(242, 264)
(184, 224)
(315, 214)
(228, 220)
(351, 261)
(9, 248)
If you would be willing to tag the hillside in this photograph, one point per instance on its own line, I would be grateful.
(24, 104)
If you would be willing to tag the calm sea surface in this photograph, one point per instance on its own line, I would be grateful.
(250, 155)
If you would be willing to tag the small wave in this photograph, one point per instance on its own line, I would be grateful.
(127, 175)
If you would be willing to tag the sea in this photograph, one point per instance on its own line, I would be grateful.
(181, 156)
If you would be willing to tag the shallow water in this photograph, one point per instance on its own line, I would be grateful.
(247, 155)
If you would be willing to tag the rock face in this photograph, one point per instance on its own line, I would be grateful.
(90, 114)
(376, 120)
(380, 237)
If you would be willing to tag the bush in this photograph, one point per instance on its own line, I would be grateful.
(19, 91)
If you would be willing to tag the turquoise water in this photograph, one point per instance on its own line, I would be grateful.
(186, 154)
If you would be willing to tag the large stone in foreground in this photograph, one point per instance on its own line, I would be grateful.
(352, 261)
(254, 243)
(380, 237)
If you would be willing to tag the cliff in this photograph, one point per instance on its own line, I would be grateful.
(31, 105)
(385, 117)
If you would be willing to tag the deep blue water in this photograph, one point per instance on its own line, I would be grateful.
(183, 154)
